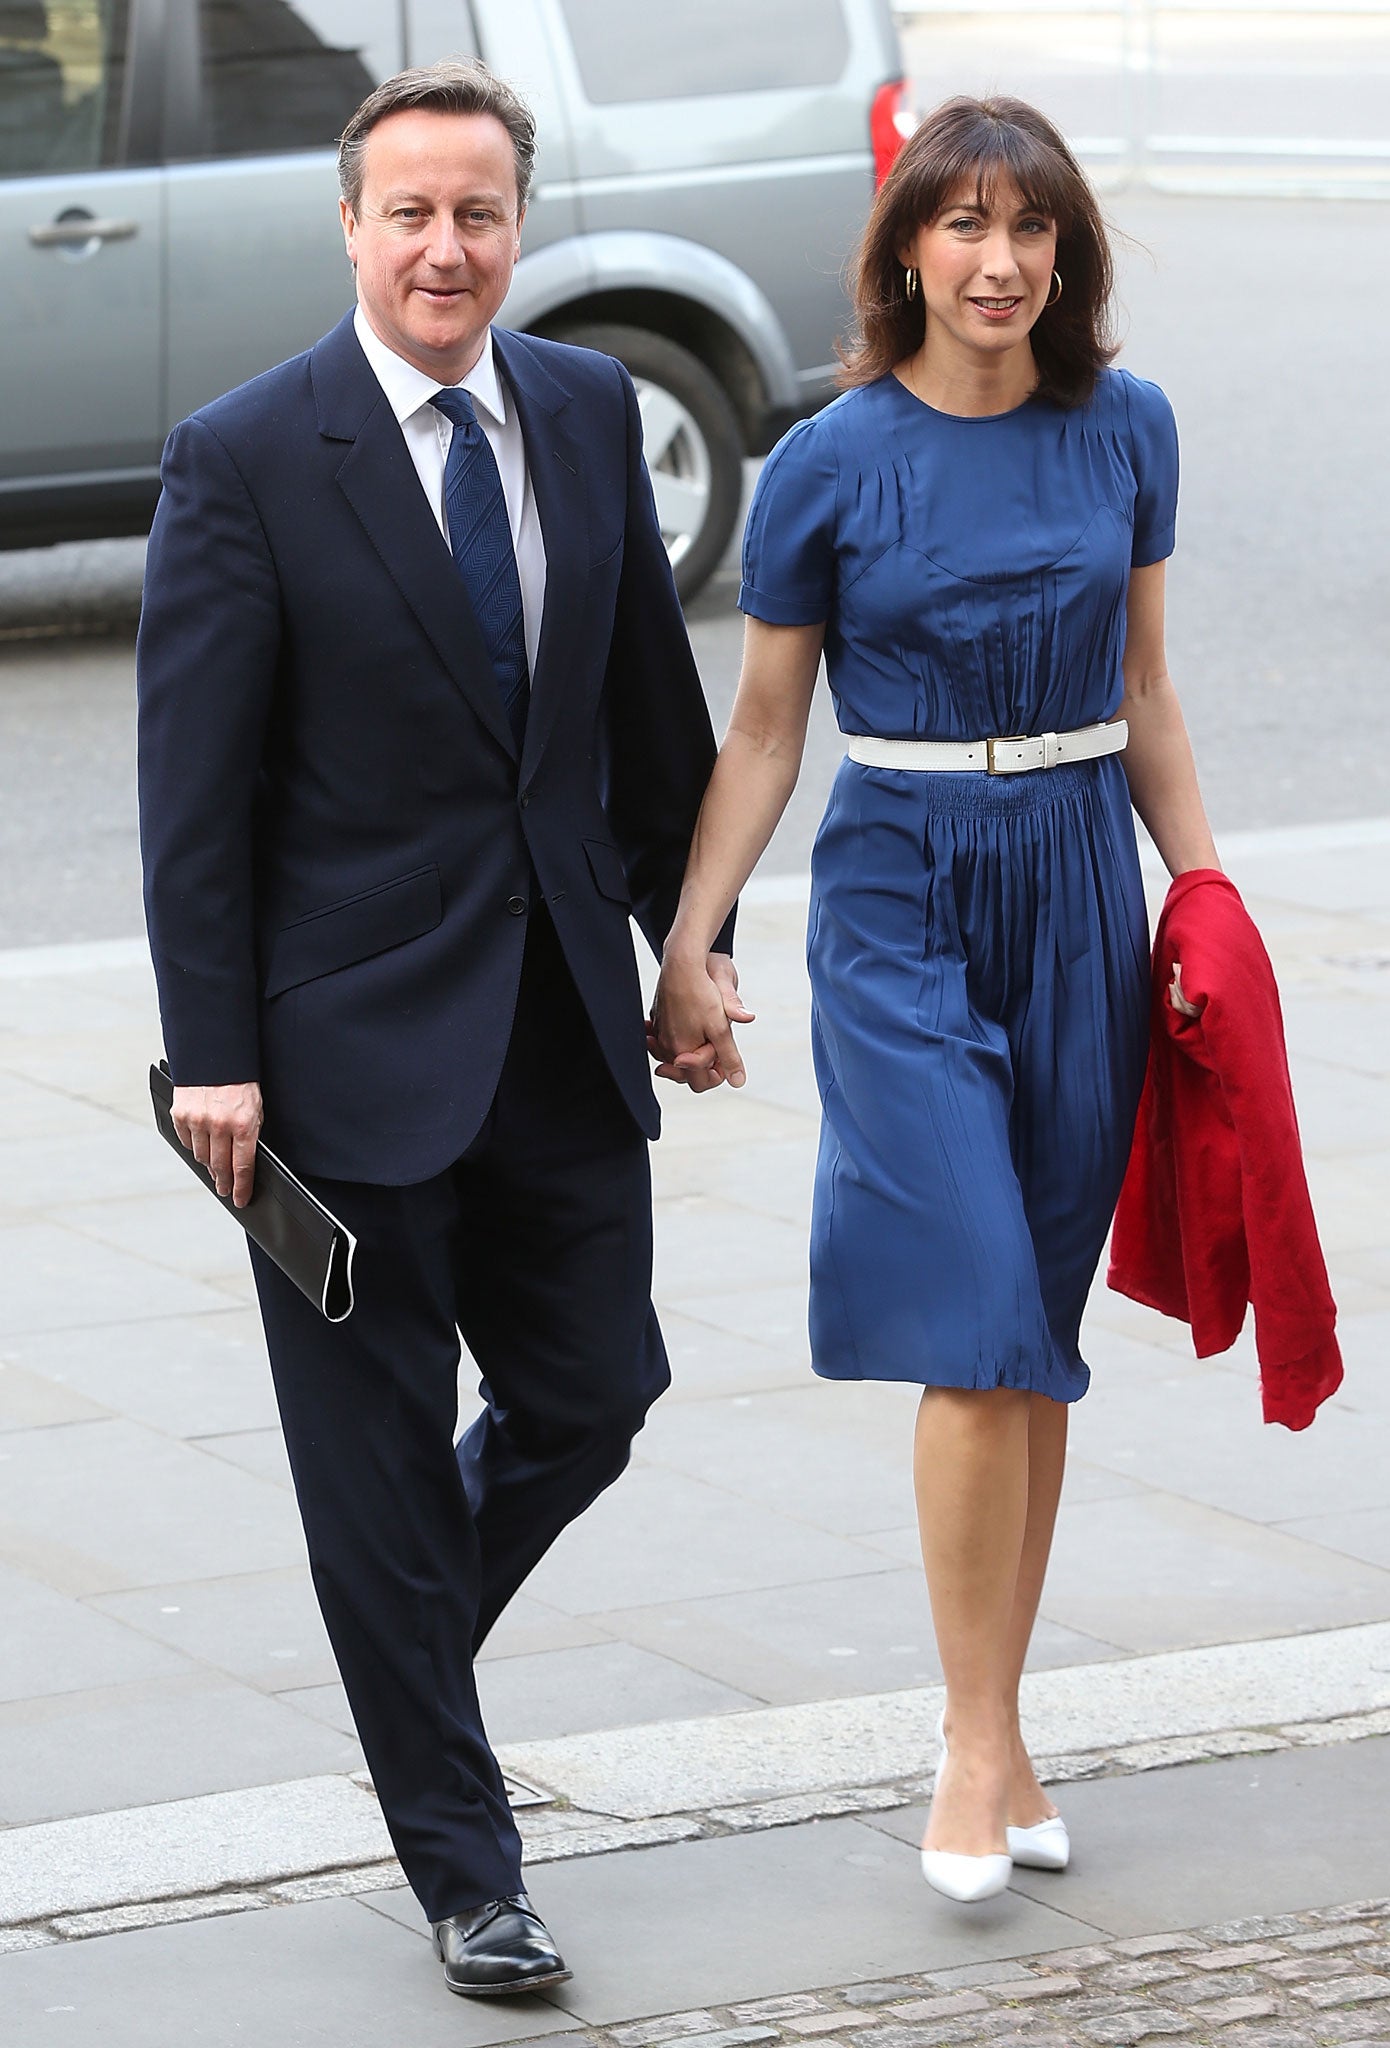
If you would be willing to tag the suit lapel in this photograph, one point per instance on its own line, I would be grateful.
(379, 481)
(554, 463)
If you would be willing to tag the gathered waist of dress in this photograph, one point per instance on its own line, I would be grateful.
(1005, 797)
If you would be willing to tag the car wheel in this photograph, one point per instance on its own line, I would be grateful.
(692, 442)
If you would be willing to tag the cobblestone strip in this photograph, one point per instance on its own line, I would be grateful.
(1295, 1980)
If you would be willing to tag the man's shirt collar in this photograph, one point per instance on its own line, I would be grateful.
(407, 388)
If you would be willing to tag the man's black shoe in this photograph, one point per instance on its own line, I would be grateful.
(493, 1950)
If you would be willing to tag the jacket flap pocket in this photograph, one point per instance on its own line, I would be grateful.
(606, 866)
(356, 929)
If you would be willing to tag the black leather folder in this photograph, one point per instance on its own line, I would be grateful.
(291, 1226)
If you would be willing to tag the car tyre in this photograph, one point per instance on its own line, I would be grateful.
(693, 444)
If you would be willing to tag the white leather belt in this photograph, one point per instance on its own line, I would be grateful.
(1016, 754)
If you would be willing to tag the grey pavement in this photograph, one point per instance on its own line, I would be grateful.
(724, 1675)
(1221, 1903)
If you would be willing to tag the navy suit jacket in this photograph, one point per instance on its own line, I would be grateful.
(341, 846)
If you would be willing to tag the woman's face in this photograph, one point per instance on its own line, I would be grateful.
(985, 275)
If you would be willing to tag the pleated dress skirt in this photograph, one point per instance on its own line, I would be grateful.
(978, 953)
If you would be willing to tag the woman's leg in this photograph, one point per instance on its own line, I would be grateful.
(1047, 1452)
(970, 1469)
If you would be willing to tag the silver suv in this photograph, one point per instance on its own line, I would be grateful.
(167, 195)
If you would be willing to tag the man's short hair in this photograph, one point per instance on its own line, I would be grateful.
(456, 85)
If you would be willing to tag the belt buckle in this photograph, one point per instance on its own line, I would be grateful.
(1003, 739)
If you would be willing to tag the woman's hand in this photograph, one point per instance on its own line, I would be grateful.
(688, 1033)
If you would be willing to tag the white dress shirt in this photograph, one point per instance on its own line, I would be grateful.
(428, 434)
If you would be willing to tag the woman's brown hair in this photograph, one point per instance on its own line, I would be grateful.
(976, 142)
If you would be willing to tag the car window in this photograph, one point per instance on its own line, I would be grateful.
(632, 50)
(440, 28)
(276, 77)
(62, 70)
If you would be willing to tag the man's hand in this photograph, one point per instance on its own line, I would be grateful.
(220, 1126)
(688, 1033)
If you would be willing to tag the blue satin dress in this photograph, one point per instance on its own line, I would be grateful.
(978, 945)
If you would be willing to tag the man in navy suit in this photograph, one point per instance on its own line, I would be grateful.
(419, 730)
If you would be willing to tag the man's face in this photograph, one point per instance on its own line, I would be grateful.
(435, 235)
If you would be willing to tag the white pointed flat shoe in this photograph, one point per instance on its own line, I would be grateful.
(967, 1879)
(1045, 1846)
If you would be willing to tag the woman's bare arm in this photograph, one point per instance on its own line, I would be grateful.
(1158, 759)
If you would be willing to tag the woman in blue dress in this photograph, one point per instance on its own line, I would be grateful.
(974, 536)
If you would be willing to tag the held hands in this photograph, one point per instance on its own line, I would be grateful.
(219, 1126)
(688, 1032)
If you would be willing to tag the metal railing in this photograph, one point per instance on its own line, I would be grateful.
(1261, 96)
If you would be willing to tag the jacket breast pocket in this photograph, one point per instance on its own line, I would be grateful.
(606, 867)
(355, 929)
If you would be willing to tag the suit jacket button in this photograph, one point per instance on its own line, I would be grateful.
(516, 905)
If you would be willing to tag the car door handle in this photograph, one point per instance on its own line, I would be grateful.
(66, 234)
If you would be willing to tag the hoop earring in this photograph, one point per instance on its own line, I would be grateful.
(1057, 281)
(910, 284)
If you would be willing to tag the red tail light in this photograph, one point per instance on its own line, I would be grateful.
(891, 121)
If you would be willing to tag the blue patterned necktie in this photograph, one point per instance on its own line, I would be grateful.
(481, 538)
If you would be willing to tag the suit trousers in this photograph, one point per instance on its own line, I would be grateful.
(535, 1246)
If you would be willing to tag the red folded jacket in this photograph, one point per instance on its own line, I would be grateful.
(1214, 1212)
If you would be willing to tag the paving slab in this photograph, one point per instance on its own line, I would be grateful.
(97, 1507)
(160, 1851)
(185, 1375)
(661, 1536)
(108, 1069)
(1347, 1030)
(121, 1746)
(1213, 1841)
(263, 1627)
(527, 1625)
(706, 1365)
(1360, 1279)
(1306, 1979)
(1365, 1340)
(773, 1316)
(261, 1452)
(830, 1638)
(30, 1401)
(770, 1752)
(1336, 1119)
(833, 1455)
(175, 1227)
(54, 1645)
(697, 1236)
(30, 1110)
(324, 1703)
(1176, 1571)
(600, 1685)
(54, 1278)
(705, 1923)
(1364, 1533)
(320, 1975)
(106, 1160)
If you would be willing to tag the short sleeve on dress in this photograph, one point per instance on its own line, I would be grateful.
(1154, 448)
(789, 541)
